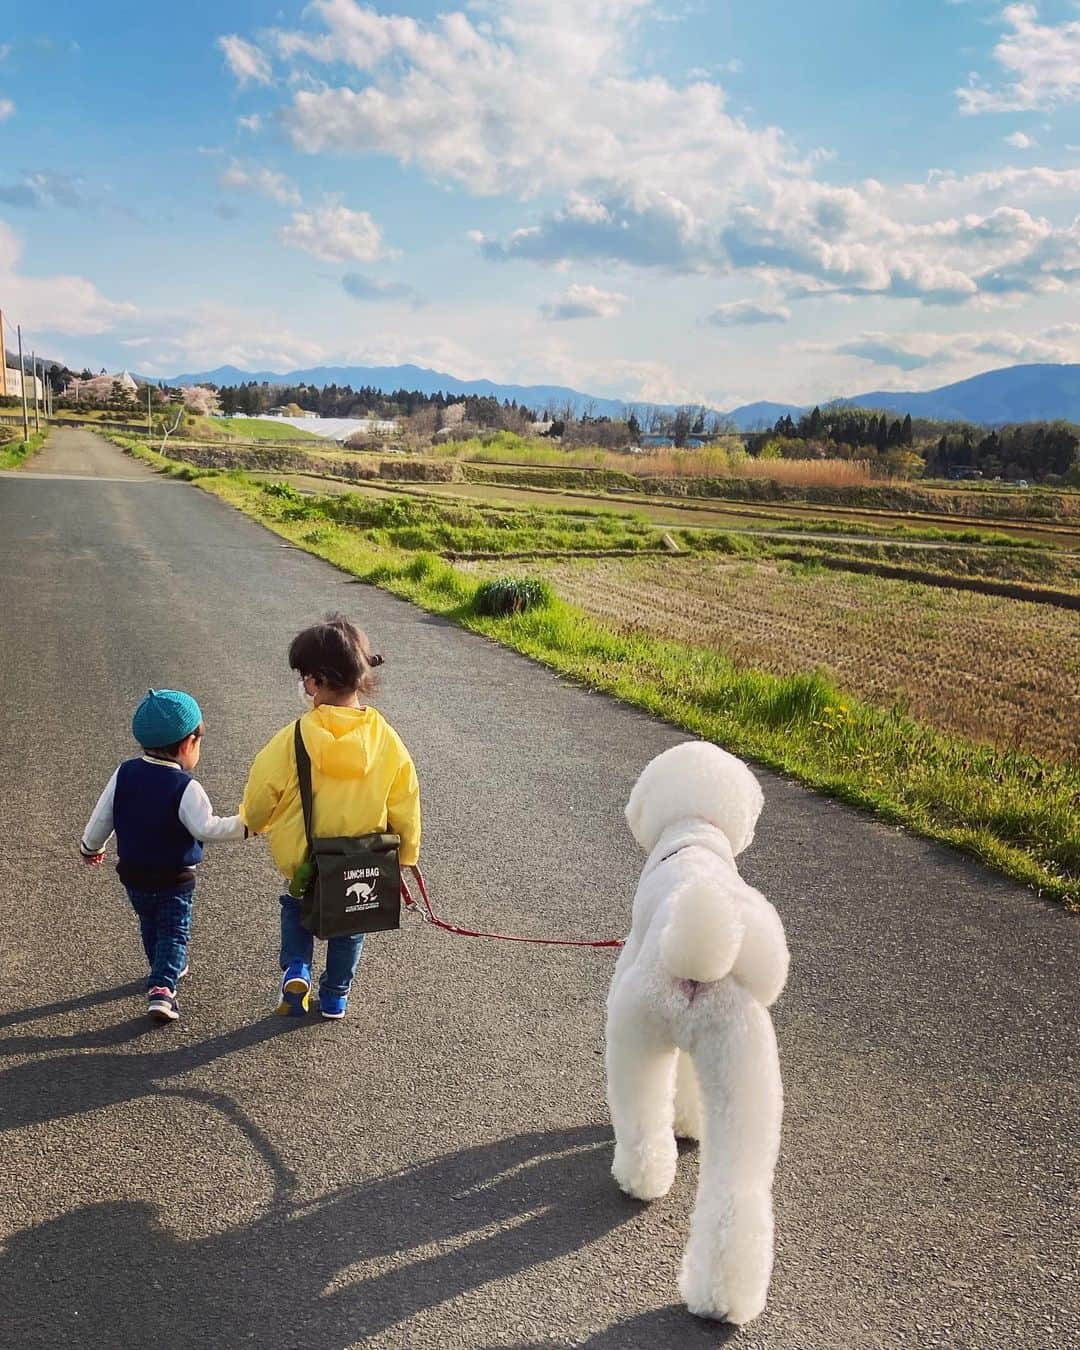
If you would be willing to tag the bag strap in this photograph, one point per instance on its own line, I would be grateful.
(303, 774)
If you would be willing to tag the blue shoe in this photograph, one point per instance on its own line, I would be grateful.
(162, 1005)
(332, 1006)
(295, 990)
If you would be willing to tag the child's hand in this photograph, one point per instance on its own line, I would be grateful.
(93, 859)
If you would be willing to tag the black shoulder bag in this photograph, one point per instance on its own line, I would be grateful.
(355, 884)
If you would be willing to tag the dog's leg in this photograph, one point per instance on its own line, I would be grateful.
(687, 1100)
(728, 1262)
(641, 1086)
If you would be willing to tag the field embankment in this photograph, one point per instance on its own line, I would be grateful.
(1016, 810)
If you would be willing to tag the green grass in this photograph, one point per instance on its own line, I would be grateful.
(927, 533)
(171, 468)
(260, 429)
(136, 417)
(1015, 812)
(501, 447)
(16, 453)
(425, 525)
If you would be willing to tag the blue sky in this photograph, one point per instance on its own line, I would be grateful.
(686, 200)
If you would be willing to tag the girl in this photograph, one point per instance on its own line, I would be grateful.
(363, 782)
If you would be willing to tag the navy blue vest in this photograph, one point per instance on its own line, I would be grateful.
(153, 848)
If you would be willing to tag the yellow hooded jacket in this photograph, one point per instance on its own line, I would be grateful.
(362, 782)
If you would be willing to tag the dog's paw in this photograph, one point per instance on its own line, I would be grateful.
(646, 1172)
(704, 1294)
(718, 1294)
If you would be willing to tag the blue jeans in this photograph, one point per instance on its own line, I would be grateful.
(297, 944)
(165, 923)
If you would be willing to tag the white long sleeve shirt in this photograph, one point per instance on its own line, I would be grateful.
(196, 815)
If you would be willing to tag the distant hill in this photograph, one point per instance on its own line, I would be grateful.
(1016, 394)
(1035, 393)
(757, 416)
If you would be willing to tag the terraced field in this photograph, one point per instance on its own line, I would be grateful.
(1001, 671)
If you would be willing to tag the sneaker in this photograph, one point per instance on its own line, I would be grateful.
(162, 1004)
(333, 1005)
(295, 990)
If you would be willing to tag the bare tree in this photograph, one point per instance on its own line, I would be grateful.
(168, 430)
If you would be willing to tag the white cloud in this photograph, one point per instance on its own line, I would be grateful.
(335, 234)
(944, 188)
(584, 302)
(1041, 64)
(743, 312)
(248, 64)
(7, 109)
(536, 97)
(256, 178)
(915, 351)
(211, 335)
(54, 304)
(1020, 140)
(252, 123)
(523, 98)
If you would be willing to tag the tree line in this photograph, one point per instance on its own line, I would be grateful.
(1035, 451)
(341, 400)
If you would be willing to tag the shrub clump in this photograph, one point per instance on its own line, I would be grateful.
(511, 595)
(285, 491)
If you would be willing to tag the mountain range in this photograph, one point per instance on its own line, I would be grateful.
(1016, 394)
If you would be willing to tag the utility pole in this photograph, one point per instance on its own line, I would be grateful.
(22, 385)
(33, 376)
(149, 414)
(3, 355)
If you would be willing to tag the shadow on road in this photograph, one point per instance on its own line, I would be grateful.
(69, 1085)
(70, 1005)
(663, 1329)
(329, 1273)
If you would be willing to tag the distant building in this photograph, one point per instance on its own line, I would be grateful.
(15, 384)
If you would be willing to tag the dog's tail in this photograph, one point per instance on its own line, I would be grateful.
(703, 934)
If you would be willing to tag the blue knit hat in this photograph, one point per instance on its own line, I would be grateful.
(164, 717)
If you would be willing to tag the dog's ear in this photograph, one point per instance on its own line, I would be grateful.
(633, 813)
(635, 809)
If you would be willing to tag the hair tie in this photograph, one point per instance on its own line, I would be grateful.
(375, 659)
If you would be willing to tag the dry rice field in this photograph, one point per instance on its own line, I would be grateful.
(1001, 671)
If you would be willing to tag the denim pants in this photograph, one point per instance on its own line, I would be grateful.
(165, 923)
(297, 944)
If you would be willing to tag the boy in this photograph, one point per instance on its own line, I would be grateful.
(162, 817)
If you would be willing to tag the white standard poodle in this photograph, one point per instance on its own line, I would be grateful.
(690, 1043)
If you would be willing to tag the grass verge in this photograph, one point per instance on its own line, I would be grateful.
(16, 453)
(171, 468)
(1015, 812)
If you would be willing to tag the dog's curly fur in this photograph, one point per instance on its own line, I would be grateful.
(690, 1044)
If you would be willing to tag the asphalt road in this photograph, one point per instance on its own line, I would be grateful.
(433, 1171)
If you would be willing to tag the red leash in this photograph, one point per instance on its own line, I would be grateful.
(429, 916)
